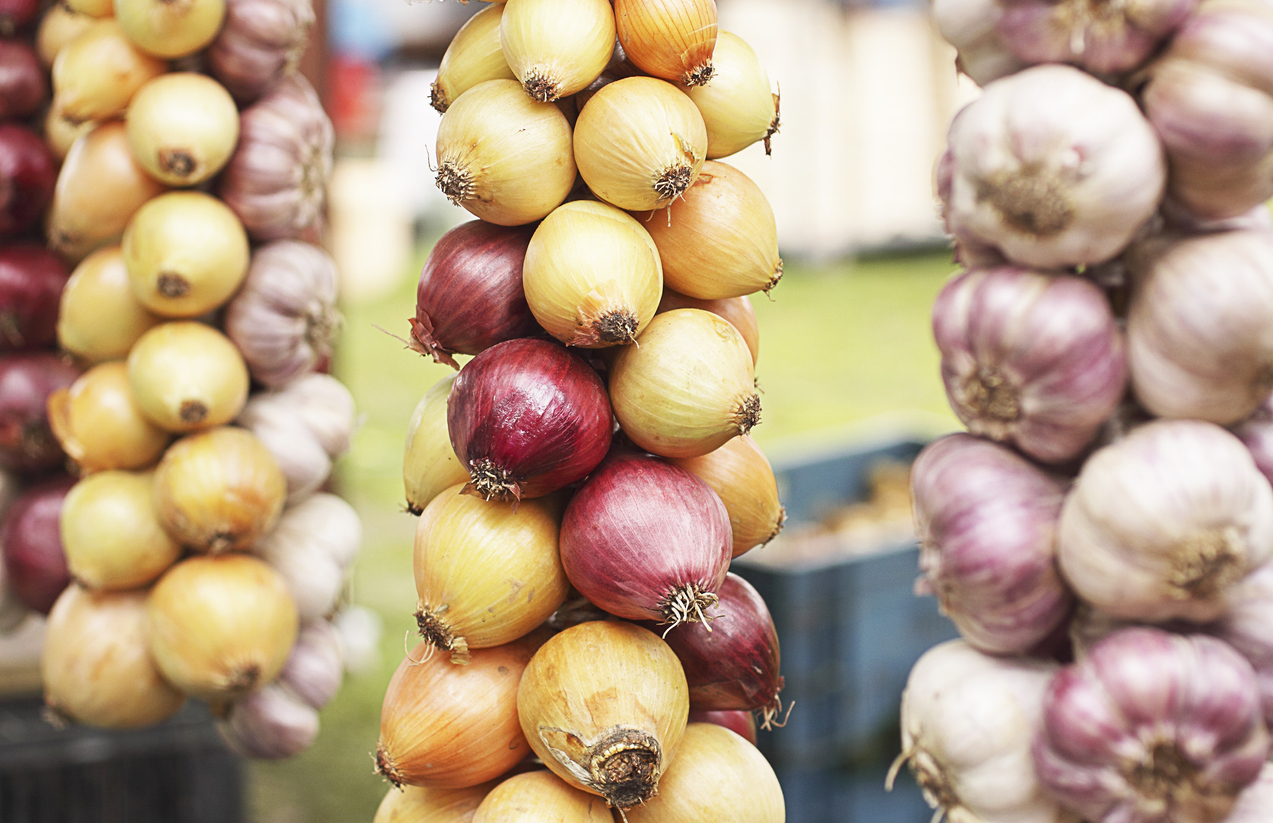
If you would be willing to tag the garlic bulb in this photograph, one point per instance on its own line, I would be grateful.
(967, 724)
(311, 547)
(1248, 627)
(284, 318)
(473, 56)
(556, 47)
(323, 405)
(1200, 326)
(260, 43)
(1053, 168)
(1152, 727)
(269, 724)
(737, 106)
(972, 27)
(669, 39)
(276, 181)
(986, 521)
(1255, 803)
(1030, 359)
(503, 156)
(316, 665)
(429, 464)
(540, 797)
(1163, 523)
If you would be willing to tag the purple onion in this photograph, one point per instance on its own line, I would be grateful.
(28, 172)
(31, 544)
(1152, 727)
(27, 443)
(986, 520)
(31, 282)
(23, 81)
(1031, 359)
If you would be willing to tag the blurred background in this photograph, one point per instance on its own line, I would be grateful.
(846, 361)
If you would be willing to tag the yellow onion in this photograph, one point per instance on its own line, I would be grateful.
(60, 132)
(111, 532)
(221, 626)
(219, 490)
(671, 39)
(187, 376)
(687, 387)
(717, 775)
(96, 74)
(474, 55)
(741, 475)
(604, 705)
(183, 127)
(170, 28)
(737, 106)
(591, 275)
(449, 727)
(639, 143)
(97, 667)
(504, 157)
(429, 464)
(720, 238)
(486, 572)
(60, 25)
(420, 804)
(99, 317)
(540, 797)
(98, 189)
(91, 8)
(99, 425)
(737, 310)
(557, 47)
(186, 253)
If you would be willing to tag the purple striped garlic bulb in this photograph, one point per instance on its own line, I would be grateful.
(1248, 627)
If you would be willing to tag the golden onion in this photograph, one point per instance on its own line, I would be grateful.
(557, 47)
(187, 376)
(741, 476)
(60, 25)
(670, 39)
(60, 132)
(96, 74)
(737, 310)
(182, 127)
(737, 106)
(111, 532)
(429, 464)
(473, 56)
(540, 797)
(419, 804)
(171, 28)
(99, 318)
(99, 425)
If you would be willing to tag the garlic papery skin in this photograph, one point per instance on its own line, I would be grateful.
(311, 547)
(1210, 98)
(640, 143)
(986, 521)
(1164, 522)
(1152, 727)
(1255, 803)
(1030, 359)
(540, 797)
(1200, 326)
(1248, 627)
(1102, 38)
(474, 55)
(967, 723)
(269, 724)
(591, 275)
(971, 26)
(260, 43)
(557, 47)
(669, 39)
(1052, 168)
(737, 106)
(1256, 433)
(284, 318)
(322, 404)
(429, 464)
(503, 156)
(316, 665)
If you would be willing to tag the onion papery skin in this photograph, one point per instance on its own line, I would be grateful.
(737, 310)
(527, 417)
(738, 107)
(719, 239)
(111, 533)
(27, 380)
(58, 26)
(1152, 726)
(741, 475)
(557, 47)
(187, 376)
(171, 28)
(646, 540)
(592, 275)
(732, 662)
(504, 157)
(687, 387)
(1198, 337)
(470, 293)
(419, 804)
(182, 127)
(987, 522)
(429, 464)
(97, 667)
(31, 544)
(99, 318)
(1030, 359)
(221, 626)
(669, 39)
(451, 727)
(743, 786)
(28, 174)
(604, 705)
(31, 282)
(486, 572)
(740, 723)
(540, 797)
(474, 55)
(260, 43)
(96, 75)
(639, 143)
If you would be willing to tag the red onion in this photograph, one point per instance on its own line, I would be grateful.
(646, 540)
(527, 417)
(14, 14)
(260, 42)
(732, 663)
(986, 521)
(31, 281)
(1152, 727)
(31, 542)
(1032, 359)
(23, 83)
(470, 294)
(28, 173)
(739, 722)
(27, 443)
